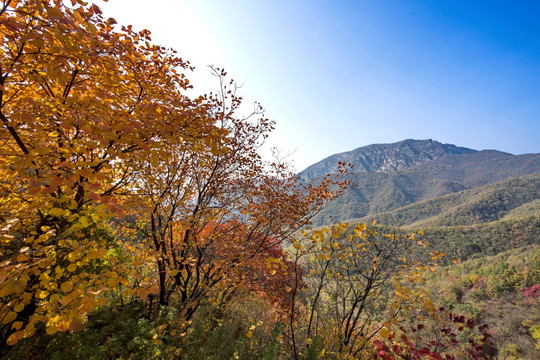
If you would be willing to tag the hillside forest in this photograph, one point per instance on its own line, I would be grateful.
(138, 221)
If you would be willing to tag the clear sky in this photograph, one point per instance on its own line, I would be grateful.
(336, 75)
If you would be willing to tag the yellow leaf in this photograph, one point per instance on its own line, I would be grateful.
(22, 258)
(66, 286)
(14, 338)
(42, 294)
(92, 28)
(112, 283)
(174, 272)
(384, 333)
(139, 263)
(51, 329)
(249, 334)
(72, 256)
(56, 212)
(54, 13)
(54, 298)
(9, 317)
(83, 220)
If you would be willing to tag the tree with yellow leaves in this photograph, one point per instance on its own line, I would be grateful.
(80, 104)
(114, 182)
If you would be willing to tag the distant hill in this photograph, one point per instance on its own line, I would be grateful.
(385, 157)
(509, 199)
(473, 241)
(410, 171)
(524, 210)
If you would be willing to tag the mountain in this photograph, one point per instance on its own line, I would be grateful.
(391, 176)
(481, 208)
(508, 199)
(385, 157)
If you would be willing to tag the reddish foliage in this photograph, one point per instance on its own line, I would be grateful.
(444, 345)
(532, 291)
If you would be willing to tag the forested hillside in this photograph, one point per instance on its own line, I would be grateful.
(139, 221)
(385, 191)
(502, 291)
(513, 197)
(481, 208)
(489, 232)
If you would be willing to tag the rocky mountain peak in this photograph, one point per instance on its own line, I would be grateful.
(385, 157)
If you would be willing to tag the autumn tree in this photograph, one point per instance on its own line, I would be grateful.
(358, 284)
(81, 103)
(216, 214)
(103, 153)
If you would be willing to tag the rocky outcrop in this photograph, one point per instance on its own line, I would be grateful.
(385, 157)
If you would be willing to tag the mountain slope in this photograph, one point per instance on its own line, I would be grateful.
(511, 198)
(471, 205)
(526, 209)
(383, 191)
(385, 157)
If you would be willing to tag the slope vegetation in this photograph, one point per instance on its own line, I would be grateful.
(516, 197)
(381, 192)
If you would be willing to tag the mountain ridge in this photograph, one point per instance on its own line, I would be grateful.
(482, 204)
(429, 169)
(385, 157)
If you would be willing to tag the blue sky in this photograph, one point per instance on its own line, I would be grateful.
(337, 75)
